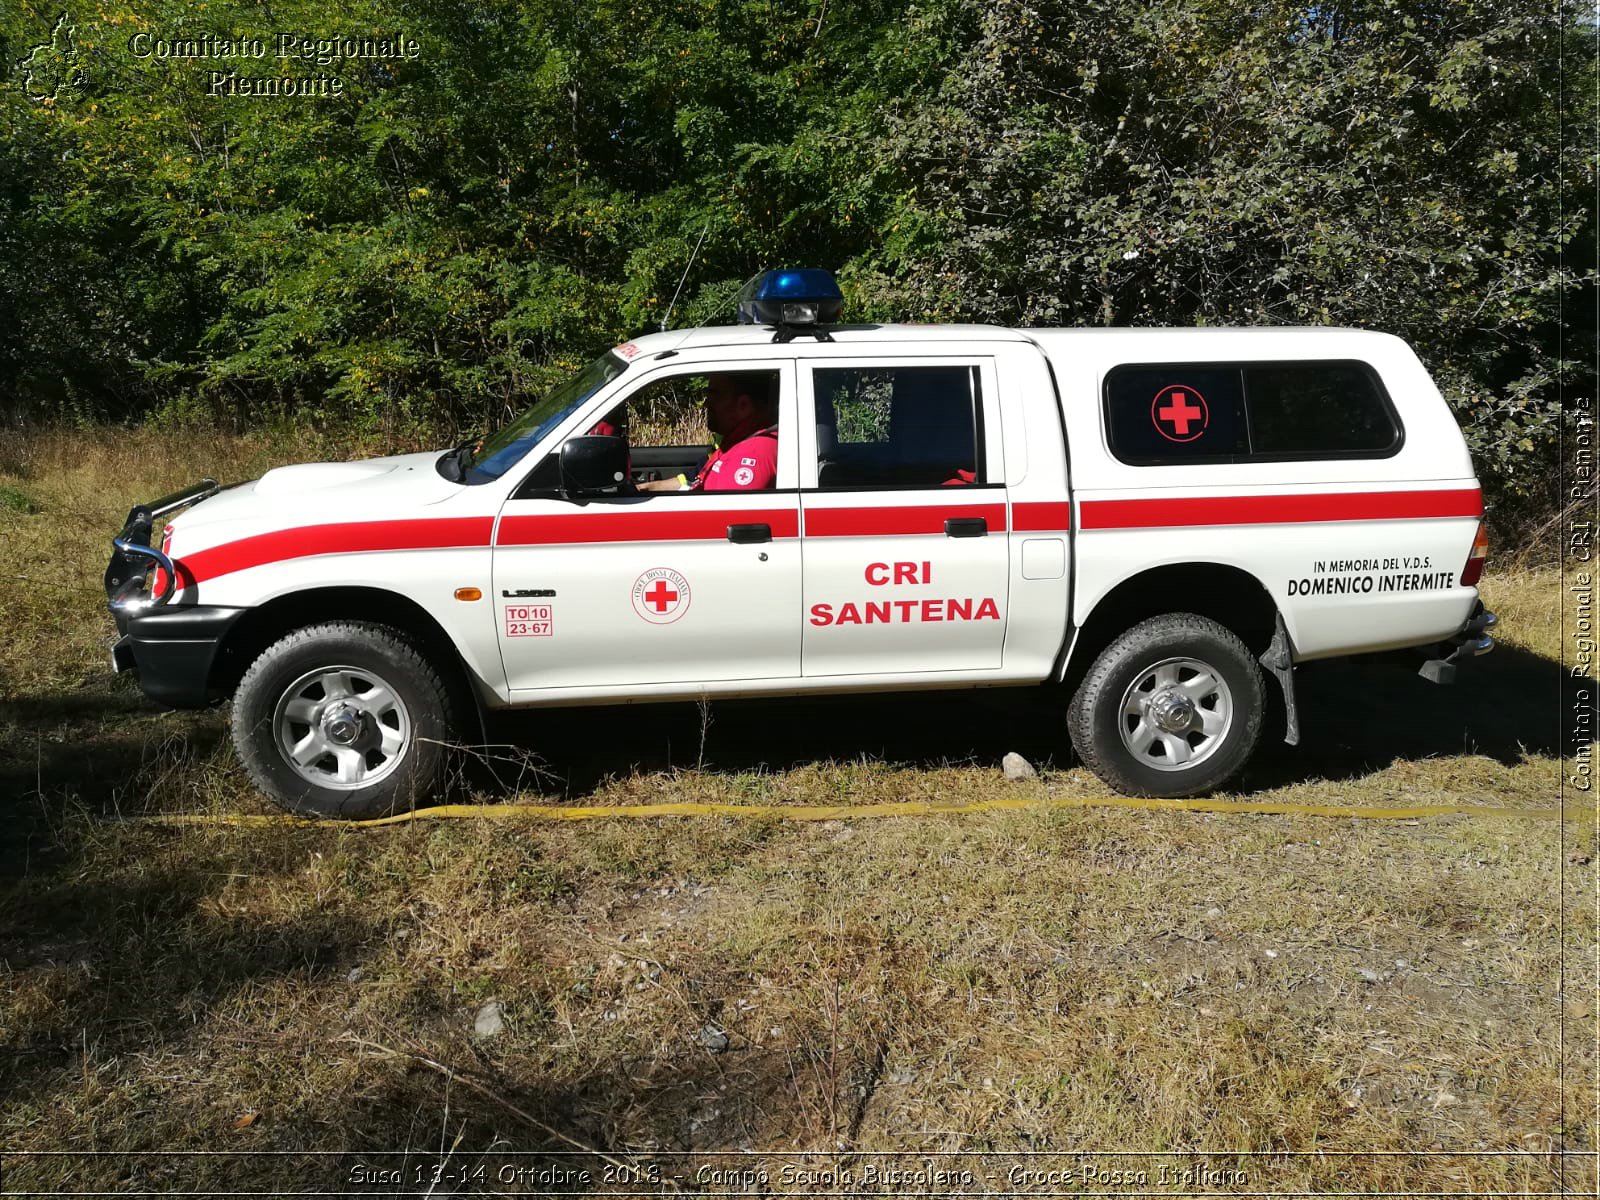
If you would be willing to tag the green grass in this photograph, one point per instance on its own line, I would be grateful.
(1079, 980)
(15, 500)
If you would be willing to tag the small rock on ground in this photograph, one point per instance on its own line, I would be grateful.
(491, 1019)
(1017, 768)
(713, 1039)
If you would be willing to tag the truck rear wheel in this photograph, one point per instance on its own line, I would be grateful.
(1173, 707)
(344, 720)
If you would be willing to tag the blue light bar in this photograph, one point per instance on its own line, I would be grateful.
(790, 297)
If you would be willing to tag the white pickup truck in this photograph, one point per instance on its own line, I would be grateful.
(1152, 526)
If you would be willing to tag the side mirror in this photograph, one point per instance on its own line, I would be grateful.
(594, 466)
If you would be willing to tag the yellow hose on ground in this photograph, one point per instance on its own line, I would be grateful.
(846, 812)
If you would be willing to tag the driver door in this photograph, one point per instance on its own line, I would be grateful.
(654, 589)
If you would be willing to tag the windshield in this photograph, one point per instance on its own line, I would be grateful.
(502, 450)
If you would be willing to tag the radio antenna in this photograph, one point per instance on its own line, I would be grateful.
(686, 269)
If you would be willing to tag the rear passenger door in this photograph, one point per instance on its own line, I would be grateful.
(903, 505)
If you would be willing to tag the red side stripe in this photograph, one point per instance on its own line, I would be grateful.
(450, 532)
(1299, 508)
(436, 533)
(628, 526)
(870, 522)
(1041, 517)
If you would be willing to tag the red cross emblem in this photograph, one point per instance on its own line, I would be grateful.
(1180, 413)
(661, 595)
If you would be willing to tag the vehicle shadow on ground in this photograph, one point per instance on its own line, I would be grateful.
(579, 749)
(105, 753)
(1356, 717)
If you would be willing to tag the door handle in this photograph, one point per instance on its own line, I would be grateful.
(966, 527)
(746, 535)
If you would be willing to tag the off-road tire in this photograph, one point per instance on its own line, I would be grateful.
(1095, 717)
(363, 647)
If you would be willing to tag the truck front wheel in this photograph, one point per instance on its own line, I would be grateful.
(345, 719)
(1173, 707)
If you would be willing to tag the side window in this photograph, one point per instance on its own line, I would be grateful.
(898, 427)
(1186, 413)
(673, 426)
(664, 412)
(1176, 414)
(1324, 410)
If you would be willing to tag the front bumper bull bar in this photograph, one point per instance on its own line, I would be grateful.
(133, 556)
(171, 649)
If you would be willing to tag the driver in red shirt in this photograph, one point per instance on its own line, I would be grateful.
(742, 415)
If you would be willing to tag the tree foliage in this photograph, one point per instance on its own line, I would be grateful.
(456, 230)
(1200, 162)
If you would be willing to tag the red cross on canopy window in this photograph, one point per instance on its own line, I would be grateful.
(1180, 413)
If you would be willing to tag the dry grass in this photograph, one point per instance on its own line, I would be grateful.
(1287, 994)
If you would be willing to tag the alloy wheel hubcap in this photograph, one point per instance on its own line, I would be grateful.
(1175, 714)
(341, 727)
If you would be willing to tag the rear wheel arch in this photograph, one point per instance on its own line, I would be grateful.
(260, 627)
(1228, 595)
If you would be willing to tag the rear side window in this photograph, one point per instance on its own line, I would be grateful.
(1197, 413)
(898, 427)
(1328, 410)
